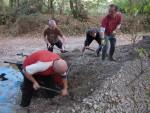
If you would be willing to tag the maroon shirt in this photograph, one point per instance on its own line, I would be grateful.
(110, 23)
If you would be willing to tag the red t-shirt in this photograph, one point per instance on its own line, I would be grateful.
(43, 56)
(110, 23)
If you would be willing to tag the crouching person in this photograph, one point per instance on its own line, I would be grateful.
(43, 68)
(51, 37)
(92, 34)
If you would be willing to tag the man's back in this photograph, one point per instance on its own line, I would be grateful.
(42, 55)
(91, 30)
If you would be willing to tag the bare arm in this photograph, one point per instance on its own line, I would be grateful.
(64, 91)
(118, 25)
(63, 39)
(117, 30)
(61, 35)
(45, 34)
(65, 85)
(83, 49)
(30, 70)
(30, 77)
(65, 82)
(45, 39)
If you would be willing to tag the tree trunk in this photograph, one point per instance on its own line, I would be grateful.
(1, 6)
(14, 3)
(51, 7)
(11, 3)
(73, 8)
(61, 11)
(17, 3)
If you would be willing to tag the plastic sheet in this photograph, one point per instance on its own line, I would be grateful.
(10, 90)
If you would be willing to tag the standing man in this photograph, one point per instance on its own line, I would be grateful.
(92, 34)
(43, 68)
(109, 27)
(51, 36)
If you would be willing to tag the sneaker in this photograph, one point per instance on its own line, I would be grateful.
(64, 51)
(104, 61)
(112, 59)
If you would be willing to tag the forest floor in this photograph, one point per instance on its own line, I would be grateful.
(94, 86)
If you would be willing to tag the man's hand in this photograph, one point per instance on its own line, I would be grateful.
(86, 47)
(48, 44)
(36, 86)
(116, 32)
(64, 92)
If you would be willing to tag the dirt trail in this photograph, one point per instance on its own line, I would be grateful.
(28, 44)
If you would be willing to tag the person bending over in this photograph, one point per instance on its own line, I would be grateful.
(43, 68)
(51, 36)
(92, 34)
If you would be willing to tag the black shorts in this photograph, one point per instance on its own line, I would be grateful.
(59, 44)
(89, 40)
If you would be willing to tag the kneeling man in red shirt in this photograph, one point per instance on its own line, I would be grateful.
(43, 68)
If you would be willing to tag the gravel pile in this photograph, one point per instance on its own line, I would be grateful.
(94, 86)
(102, 87)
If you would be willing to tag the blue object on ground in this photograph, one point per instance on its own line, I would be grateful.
(9, 89)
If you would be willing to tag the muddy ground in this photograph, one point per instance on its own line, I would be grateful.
(88, 77)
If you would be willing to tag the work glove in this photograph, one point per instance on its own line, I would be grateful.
(36, 86)
(103, 42)
(114, 32)
(64, 92)
(98, 51)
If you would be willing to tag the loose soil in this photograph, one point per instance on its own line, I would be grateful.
(87, 73)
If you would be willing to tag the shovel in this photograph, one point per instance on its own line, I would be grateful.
(90, 49)
(49, 89)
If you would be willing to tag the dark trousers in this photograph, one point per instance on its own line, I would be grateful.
(28, 91)
(58, 44)
(112, 40)
(89, 40)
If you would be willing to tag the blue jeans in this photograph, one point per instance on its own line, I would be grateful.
(112, 40)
